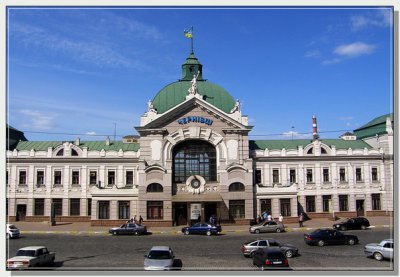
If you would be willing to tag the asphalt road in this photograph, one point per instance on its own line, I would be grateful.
(195, 252)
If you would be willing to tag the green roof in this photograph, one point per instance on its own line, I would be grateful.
(175, 93)
(377, 126)
(91, 145)
(294, 144)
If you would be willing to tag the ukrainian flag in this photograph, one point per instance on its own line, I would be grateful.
(188, 33)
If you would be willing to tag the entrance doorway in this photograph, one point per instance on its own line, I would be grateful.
(180, 214)
(360, 207)
(21, 212)
(210, 208)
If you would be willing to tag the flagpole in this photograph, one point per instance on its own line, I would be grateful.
(191, 42)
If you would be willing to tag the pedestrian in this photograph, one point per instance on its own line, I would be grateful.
(265, 215)
(258, 219)
(131, 220)
(269, 217)
(140, 220)
(301, 219)
(280, 218)
(134, 219)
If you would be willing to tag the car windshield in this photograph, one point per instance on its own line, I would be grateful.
(12, 227)
(159, 255)
(30, 253)
(275, 255)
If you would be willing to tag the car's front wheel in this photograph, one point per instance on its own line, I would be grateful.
(343, 228)
(136, 233)
(187, 232)
(208, 233)
(363, 227)
(378, 256)
(114, 233)
(278, 230)
(289, 253)
(257, 231)
(321, 243)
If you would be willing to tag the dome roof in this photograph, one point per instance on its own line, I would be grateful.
(175, 93)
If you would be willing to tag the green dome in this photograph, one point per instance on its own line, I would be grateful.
(175, 93)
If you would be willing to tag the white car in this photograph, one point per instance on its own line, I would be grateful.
(12, 231)
(380, 251)
(31, 256)
(159, 258)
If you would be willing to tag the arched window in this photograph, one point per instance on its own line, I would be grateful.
(60, 152)
(155, 187)
(237, 186)
(73, 152)
(323, 151)
(194, 157)
(310, 151)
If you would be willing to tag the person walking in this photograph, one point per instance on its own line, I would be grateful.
(140, 220)
(280, 219)
(265, 215)
(301, 219)
(269, 217)
(258, 219)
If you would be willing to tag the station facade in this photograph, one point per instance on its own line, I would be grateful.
(192, 160)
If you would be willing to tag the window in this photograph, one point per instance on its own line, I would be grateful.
(258, 176)
(309, 175)
(342, 174)
(237, 186)
(292, 176)
(155, 210)
(374, 174)
(376, 201)
(285, 207)
(57, 205)
(343, 203)
(266, 205)
(262, 243)
(326, 203)
(123, 210)
(154, 187)
(236, 209)
(129, 177)
(75, 177)
(74, 153)
(104, 209)
(39, 206)
(273, 243)
(310, 204)
(325, 173)
(111, 177)
(358, 174)
(194, 158)
(323, 151)
(89, 206)
(40, 178)
(7, 178)
(310, 151)
(57, 177)
(22, 177)
(60, 152)
(275, 175)
(92, 177)
(74, 206)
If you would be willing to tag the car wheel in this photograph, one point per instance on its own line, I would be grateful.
(187, 232)
(278, 230)
(342, 228)
(321, 243)
(115, 233)
(208, 233)
(378, 256)
(363, 227)
(351, 242)
(289, 253)
(262, 268)
(136, 233)
(256, 231)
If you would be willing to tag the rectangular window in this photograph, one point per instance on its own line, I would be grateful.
(376, 201)
(236, 209)
(75, 177)
(275, 175)
(342, 174)
(74, 206)
(39, 206)
(292, 174)
(310, 204)
(92, 177)
(129, 177)
(358, 174)
(266, 205)
(285, 207)
(343, 203)
(123, 210)
(7, 178)
(111, 177)
(104, 209)
(374, 174)
(309, 175)
(57, 177)
(22, 177)
(40, 178)
(57, 206)
(89, 206)
(325, 173)
(155, 210)
(326, 203)
(258, 176)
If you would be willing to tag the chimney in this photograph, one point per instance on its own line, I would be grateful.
(107, 141)
(77, 141)
(314, 125)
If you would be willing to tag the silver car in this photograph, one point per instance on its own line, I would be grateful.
(249, 248)
(159, 258)
(380, 251)
(267, 226)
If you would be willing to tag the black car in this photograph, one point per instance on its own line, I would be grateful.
(202, 229)
(270, 259)
(323, 237)
(352, 224)
(129, 229)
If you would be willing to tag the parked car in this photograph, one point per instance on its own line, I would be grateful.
(267, 226)
(250, 247)
(129, 229)
(352, 224)
(380, 251)
(12, 231)
(31, 256)
(323, 237)
(159, 258)
(269, 258)
(202, 229)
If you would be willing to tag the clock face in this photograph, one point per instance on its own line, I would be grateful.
(195, 183)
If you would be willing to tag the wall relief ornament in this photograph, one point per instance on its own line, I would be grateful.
(195, 184)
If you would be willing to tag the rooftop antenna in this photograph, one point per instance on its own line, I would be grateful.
(115, 131)
(292, 131)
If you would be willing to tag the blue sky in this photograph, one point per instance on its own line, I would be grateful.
(80, 71)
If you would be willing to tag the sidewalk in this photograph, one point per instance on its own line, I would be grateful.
(85, 228)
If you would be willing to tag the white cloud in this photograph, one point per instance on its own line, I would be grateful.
(92, 133)
(346, 118)
(293, 134)
(331, 61)
(354, 49)
(312, 54)
(380, 18)
(38, 120)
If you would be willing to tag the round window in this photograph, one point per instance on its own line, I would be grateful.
(195, 183)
